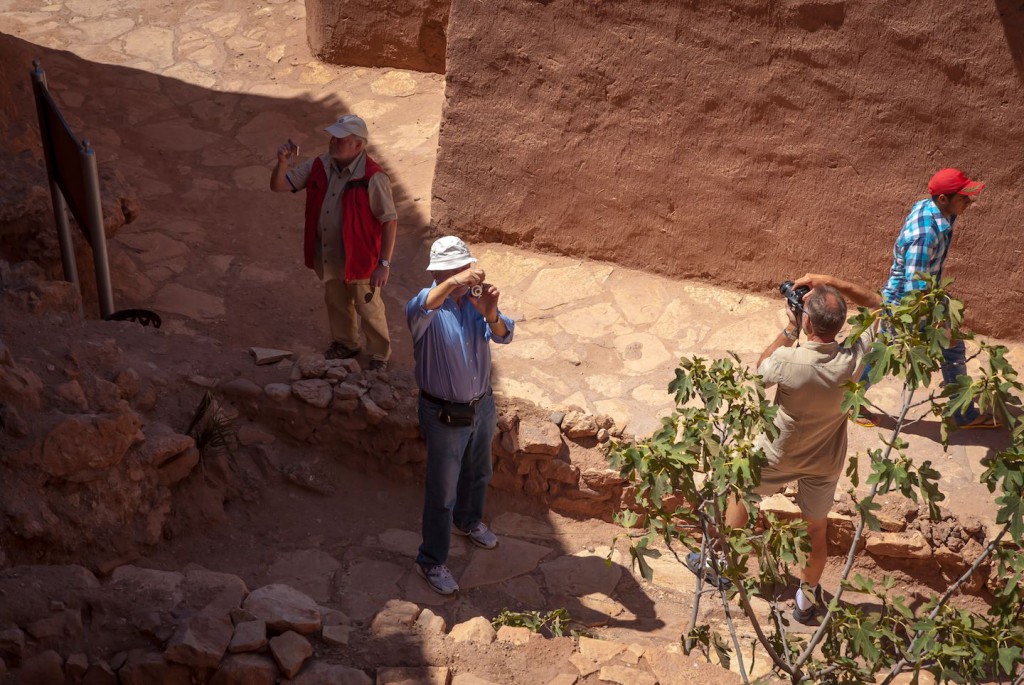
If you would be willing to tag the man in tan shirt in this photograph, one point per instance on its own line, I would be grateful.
(350, 230)
(811, 446)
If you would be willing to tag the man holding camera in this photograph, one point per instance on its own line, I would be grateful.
(811, 445)
(453, 323)
(350, 229)
(922, 247)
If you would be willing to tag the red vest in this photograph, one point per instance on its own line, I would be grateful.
(360, 229)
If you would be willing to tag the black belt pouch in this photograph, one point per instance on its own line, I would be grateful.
(457, 415)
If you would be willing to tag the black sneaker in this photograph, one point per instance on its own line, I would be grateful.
(377, 365)
(339, 351)
(808, 616)
(707, 572)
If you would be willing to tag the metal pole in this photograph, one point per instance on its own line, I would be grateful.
(60, 208)
(96, 234)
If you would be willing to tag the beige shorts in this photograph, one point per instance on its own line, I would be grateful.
(815, 494)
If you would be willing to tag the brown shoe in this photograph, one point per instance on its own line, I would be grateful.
(339, 351)
(983, 421)
(866, 419)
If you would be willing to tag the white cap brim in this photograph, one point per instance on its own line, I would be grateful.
(445, 263)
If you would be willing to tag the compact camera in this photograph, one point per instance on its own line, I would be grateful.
(794, 296)
(476, 290)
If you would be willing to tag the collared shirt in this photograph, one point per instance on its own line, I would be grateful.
(812, 427)
(450, 344)
(329, 260)
(922, 245)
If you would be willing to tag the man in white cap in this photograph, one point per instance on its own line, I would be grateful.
(452, 323)
(350, 229)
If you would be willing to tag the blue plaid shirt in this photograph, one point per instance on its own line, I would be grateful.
(921, 246)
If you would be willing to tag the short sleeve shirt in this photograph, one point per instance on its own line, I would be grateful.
(329, 259)
(810, 381)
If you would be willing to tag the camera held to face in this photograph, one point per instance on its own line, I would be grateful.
(476, 290)
(794, 296)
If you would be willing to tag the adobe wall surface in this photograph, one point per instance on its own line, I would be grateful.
(737, 142)
(409, 34)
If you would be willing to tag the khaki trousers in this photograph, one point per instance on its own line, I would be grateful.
(347, 300)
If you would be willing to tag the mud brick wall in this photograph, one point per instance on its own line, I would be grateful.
(409, 34)
(737, 142)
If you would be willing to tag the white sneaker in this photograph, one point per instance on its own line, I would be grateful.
(481, 535)
(439, 578)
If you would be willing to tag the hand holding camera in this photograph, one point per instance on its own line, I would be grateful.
(289, 149)
(794, 295)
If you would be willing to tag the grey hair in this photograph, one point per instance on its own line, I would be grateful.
(826, 310)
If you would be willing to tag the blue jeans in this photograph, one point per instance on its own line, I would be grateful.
(954, 364)
(458, 471)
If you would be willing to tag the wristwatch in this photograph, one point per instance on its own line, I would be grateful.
(792, 336)
(384, 262)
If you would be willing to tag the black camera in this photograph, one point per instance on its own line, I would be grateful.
(794, 296)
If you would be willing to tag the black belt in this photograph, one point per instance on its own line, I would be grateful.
(437, 400)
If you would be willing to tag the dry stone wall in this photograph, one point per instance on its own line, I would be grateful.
(142, 626)
(737, 142)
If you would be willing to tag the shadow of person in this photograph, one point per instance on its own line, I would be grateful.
(930, 428)
(600, 593)
(1011, 13)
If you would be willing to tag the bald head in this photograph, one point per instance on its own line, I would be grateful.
(826, 311)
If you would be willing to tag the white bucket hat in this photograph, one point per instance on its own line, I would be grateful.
(449, 253)
(348, 125)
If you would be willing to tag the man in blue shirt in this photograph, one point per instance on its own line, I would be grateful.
(452, 324)
(922, 246)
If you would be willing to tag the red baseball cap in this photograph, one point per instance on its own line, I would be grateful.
(953, 182)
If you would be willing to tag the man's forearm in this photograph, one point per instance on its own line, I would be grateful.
(278, 177)
(856, 293)
(439, 293)
(387, 239)
(853, 292)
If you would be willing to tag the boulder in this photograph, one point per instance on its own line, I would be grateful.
(576, 425)
(162, 443)
(514, 635)
(322, 673)
(86, 443)
(336, 635)
(45, 668)
(312, 365)
(267, 355)
(245, 669)
(396, 618)
(201, 640)
(477, 630)
(99, 673)
(249, 636)
(908, 545)
(539, 437)
(314, 391)
(178, 468)
(290, 651)
(278, 392)
(284, 608)
(347, 391)
(146, 668)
